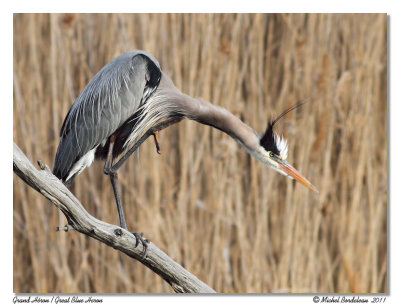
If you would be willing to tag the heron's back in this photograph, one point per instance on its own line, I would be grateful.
(114, 95)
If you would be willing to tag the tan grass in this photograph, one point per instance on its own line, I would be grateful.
(237, 225)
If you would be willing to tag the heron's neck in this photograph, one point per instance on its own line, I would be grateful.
(206, 113)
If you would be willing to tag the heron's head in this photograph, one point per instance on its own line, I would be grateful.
(274, 149)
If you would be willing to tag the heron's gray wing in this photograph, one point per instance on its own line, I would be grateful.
(113, 95)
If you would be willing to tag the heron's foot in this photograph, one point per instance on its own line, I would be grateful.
(145, 242)
(155, 134)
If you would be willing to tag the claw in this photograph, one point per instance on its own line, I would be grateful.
(155, 133)
(137, 239)
(144, 241)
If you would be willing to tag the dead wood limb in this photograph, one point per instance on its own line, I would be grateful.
(79, 219)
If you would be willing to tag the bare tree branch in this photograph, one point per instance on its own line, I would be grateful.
(78, 218)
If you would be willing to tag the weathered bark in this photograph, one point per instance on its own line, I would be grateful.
(78, 218)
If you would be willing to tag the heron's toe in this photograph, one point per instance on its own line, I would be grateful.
(145, 242)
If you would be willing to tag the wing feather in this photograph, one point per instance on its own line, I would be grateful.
(114, 94)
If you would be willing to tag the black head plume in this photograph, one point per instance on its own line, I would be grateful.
(268, 140)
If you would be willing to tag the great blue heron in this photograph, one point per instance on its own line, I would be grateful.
(122, 106)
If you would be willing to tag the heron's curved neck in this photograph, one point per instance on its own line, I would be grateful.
(206, 113)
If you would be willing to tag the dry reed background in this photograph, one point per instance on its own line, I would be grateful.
(236, 224)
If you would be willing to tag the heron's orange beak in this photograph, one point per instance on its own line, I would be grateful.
(293, 173)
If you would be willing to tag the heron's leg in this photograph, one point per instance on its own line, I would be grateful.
(155, 134)
(111, 170)
(114, 182)
(162, 125)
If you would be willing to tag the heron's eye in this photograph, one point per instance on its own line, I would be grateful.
(271, 154)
